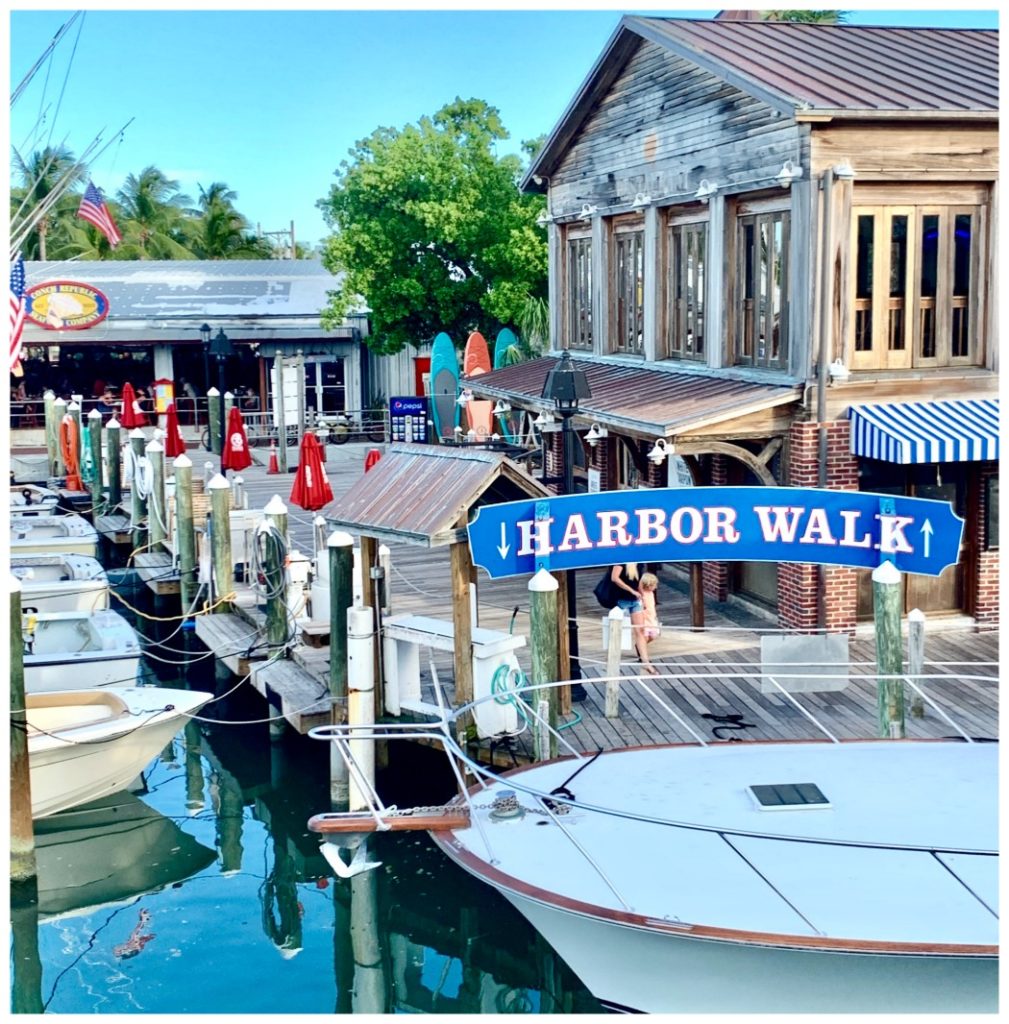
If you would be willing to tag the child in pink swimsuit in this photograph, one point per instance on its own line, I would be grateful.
(647, 586)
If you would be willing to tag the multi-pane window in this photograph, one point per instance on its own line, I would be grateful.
(761, 289)
(915, 285)
(688, 253)
(628, 289)
(579, 292)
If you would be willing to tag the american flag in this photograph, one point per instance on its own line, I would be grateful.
(17, 310)
(94, 210)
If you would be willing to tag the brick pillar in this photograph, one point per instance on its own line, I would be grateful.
(600, 459)
(555, 459)
(799, 585)
(655, 475)
(985, 578)
(716, 574)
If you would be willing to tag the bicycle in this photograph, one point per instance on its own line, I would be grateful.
(343, 428)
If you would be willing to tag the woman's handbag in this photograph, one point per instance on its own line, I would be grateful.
(604, 591)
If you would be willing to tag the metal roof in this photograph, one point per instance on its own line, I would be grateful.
(847, 67)
(423, 494)
(639, 398)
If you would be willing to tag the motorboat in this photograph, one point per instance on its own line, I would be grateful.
(100, 647)
(756, 876)
(110, 849)
(61, 583)
(29, 467)
(32, 500)
(85, 744)
(43, 535)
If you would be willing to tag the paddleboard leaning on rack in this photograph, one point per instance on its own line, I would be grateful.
(476, 360)
(444, 386)
(505, 353)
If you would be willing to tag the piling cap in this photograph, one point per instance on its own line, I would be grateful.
(886, 573)
(49, 393)
(218, 483)
(182, 462)
(542, 582)
(94, 415)
(229, 394)
(136, 432)
(113, 423)
(275, 506)
(339, 539)
(213, 393)
(15, 584)
(155, 446)
(73, 406)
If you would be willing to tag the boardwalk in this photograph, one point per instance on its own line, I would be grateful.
(722, 661)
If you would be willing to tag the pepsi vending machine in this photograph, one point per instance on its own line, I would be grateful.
(408, 418)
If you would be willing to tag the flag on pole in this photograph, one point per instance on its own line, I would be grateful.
(94, 210)
(17, 304)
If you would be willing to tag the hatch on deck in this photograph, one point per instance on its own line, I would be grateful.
(789, 796)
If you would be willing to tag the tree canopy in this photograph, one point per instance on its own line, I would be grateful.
(431, 231)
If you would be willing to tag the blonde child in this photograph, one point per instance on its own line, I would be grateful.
(647, 586)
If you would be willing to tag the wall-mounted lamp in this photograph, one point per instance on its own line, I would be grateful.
(838, 371)
(641, 199)
(595, 434)
(543, 420)
(502, 408)
(705, 190)
(465, 397)
(660, 451)
(789, 172)
(844, 171)
(587, 211)
(544, 219)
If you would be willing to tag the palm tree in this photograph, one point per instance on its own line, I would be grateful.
(154, 218)
(45, 180)
(806, 17)
(219, 232)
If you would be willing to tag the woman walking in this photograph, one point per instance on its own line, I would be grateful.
(626, 583)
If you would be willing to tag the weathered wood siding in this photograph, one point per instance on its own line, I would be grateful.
(663, 126)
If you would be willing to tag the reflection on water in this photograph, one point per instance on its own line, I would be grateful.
(203, 892)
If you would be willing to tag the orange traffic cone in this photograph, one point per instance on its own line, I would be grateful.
(273, 467)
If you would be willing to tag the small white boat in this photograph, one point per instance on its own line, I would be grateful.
(32, 500)
(30, 467)
(108, 850)
(61, 583)
(43, 535)
(85, 744)
(60, 648)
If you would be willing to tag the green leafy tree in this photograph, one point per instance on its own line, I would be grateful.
(806, 17)
(431, 231)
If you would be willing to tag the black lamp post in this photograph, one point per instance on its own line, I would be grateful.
(220, 348)
(566, 385)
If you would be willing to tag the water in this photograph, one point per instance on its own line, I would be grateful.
(204, 892)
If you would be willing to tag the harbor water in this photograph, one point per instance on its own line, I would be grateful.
(202, 891)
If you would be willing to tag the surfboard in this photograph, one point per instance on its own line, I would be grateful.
(476, 360)
(504, 345)
(444, 386)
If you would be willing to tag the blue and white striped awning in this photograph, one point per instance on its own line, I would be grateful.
(914, 432)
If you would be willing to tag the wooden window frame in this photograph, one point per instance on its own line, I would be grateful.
(679, 321)
(760, 215)
(626, 322)
(577, 307)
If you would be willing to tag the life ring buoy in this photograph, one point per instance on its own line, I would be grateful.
(68, 452)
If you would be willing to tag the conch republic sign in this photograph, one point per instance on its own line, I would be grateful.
(65, 305)
(716, 524)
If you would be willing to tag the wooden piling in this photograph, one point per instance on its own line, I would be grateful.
(277, 626)
(886, 600)
(97, 481)
(340, 549)
(214, 419)
(59, 411)
(220, 542)
(916, 657)
(543, 639)
(614, 639)
(138, 500)
(158, 517)
(23, 869)
(185, 533)
(114, 457)
(52, 433)
(360, 700)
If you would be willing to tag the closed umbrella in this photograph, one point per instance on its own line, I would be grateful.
(131, 416)
(174, 442)
(235, 454)
(311, 488)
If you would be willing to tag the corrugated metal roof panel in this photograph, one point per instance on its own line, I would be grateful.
(849, 66)
(642, 398)
(420, 494)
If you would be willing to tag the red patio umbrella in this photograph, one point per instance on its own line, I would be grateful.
(235, 454)
(174, 442)
(131, 416)
(311, 488)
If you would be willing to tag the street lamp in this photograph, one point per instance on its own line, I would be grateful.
(566, 385)
(220, 348)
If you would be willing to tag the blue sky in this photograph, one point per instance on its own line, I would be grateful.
(270, 102)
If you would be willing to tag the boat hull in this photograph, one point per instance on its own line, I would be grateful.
(98, 668)
(61, 583)
(634, 969)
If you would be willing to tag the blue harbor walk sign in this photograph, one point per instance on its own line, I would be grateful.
(716, 524)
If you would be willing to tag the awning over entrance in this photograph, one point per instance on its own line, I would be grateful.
(909, 433)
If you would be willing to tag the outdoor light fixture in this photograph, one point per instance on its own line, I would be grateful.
(789, 172)
(641, 199)
(465, 397)
(544, 219)
(660, 451)
(595, 434)
(502, 408)
(220, 347)
(705, 190)
(844, 171)
(838, 371)
(543, 420)
(588, 210)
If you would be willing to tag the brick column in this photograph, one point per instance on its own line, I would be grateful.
(799, 585)
(600, 459)
(985, 599)
(555, 460)
(716, 574)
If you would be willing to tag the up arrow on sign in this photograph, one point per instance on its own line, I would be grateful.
(720, 524)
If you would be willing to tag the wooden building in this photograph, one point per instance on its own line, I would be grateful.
(773, 246)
